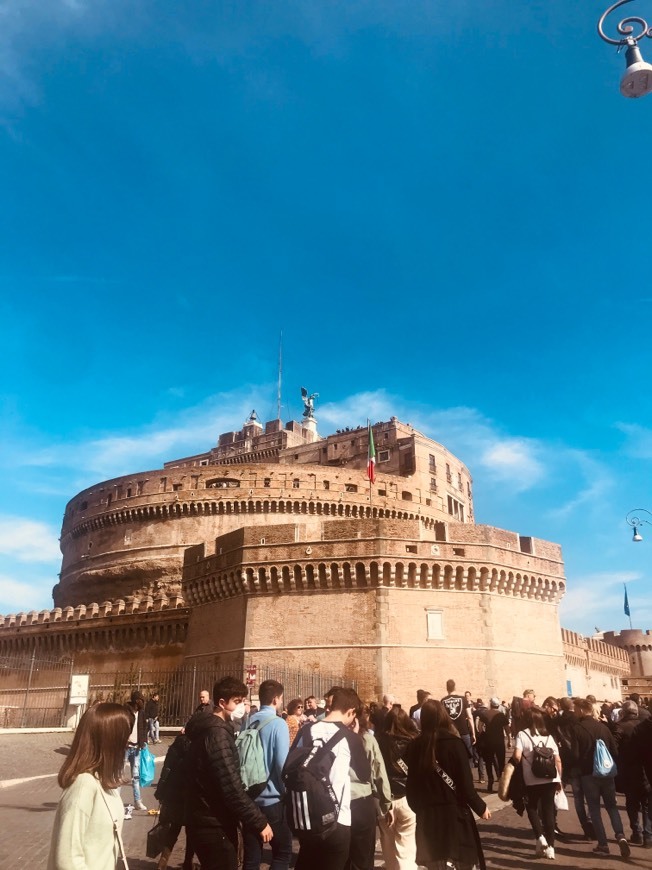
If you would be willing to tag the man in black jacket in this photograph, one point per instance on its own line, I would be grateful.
(567, 725)
(589, 731)
(217, 800)
(631, 779)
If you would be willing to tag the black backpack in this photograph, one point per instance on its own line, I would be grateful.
(543, 761)
(311, 806)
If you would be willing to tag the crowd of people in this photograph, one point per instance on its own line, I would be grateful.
(334, 772)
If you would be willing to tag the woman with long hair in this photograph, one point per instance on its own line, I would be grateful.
(539, 791)
(88, 821)
(441, 793)
(398, 826)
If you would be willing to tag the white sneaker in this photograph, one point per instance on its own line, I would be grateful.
(128, 811)
(541, 846)
(140, 805)
(549, 852)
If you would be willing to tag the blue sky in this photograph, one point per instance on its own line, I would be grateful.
(445, 212)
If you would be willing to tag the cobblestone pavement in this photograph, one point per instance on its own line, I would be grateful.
(27, 812)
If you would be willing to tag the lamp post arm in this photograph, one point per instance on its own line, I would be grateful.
(625, 27)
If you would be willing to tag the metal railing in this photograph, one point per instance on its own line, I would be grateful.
(34, 692)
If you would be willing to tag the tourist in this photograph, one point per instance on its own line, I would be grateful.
(398, 826)
(294, 718)
(275, 739)
(137, 742)
(495, 728)
(461, 715)
(643, 712)
(87, 825)
(366, 795)
(332, 853)
(205, 703)
(217, 800)
(151, 717)
(539, 791)
(378, 713)
(567, 723)
(415, 713)
(440, 791)
(171, 792)
(598, 787)
(310, 708)
(631, 780)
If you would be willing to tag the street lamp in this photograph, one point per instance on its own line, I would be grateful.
(635, 521)
(637, 81)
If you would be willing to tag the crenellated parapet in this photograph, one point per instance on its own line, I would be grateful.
(591, 654)
(123, 624)
(365, 555)
(637, 645)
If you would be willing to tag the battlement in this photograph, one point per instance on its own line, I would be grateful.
(127, 607)
(630, 638)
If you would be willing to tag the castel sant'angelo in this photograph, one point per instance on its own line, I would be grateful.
(273, 547)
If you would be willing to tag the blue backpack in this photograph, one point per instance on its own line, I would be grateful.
(603, 764)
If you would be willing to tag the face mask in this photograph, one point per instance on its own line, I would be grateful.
(239, 711)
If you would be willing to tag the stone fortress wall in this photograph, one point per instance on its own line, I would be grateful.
(272, 547)
(637, 646)
(594, 666)
(128, 535)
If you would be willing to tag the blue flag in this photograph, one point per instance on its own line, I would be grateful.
(627, 613)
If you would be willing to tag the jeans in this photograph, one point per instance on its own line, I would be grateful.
(596, 787)
(494, 758)
(215, 849)
(575, 781)
(153, 726)
(281, 841)
(132, 757)
(637, 802)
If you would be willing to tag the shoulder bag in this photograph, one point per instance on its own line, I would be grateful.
(116, 831)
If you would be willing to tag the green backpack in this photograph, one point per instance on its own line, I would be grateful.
(252, 758)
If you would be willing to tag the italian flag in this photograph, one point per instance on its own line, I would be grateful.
(371, 459)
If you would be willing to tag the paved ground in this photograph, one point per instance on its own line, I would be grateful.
(27, 812)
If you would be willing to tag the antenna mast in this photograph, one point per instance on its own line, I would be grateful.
(280, 372)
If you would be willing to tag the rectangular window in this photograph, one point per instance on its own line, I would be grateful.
(383, 455)
(433, 484)
(411, 548)
(432, 465)
(203, 461)
(434, 624)
(458, 551)
(267, 482)
(459, 480)
(296, 483)
(327, 484)
(176, 487)
(128, 492)
(163, 485)
(351, 487)
(449, 476)
(139, 487)
(382, 492)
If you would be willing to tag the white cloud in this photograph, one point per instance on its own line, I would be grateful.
(514, 459)
(24, 595)
(28, 540)
(591, 596)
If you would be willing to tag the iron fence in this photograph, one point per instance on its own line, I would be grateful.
(35, 692)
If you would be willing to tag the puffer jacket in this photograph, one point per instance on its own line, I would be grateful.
(216, 796)
(394, 751)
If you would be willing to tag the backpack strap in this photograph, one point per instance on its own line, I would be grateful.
(262, 723)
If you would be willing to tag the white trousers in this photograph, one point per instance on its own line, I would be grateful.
(398, 841)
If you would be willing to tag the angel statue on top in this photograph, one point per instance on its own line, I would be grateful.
(308, 403)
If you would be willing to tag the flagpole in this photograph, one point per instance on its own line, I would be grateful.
(370, 489)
